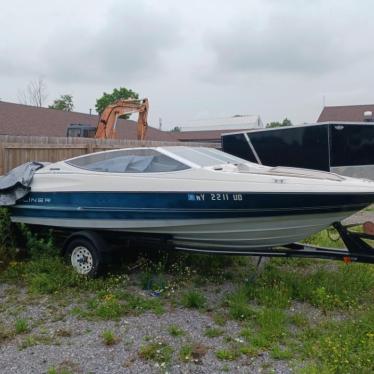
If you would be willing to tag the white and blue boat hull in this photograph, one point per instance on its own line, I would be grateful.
(206, 220)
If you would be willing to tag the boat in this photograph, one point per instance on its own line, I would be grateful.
(200, 198)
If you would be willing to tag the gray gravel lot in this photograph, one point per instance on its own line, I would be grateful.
(360, 217)
(63, 340)
(76, 344)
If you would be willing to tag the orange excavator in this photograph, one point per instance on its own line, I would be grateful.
(106, 128)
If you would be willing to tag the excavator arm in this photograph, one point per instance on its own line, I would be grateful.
(106, 128)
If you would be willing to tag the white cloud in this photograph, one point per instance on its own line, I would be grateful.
(193, 59)
(292, 37)
(129, 41)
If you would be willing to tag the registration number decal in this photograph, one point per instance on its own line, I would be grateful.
(215, 196)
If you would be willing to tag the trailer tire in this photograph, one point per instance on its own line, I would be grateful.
(84, 255)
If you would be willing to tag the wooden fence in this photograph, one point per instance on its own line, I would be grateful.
(16, 150)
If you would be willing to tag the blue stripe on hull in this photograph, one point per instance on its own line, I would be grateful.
(165, 205)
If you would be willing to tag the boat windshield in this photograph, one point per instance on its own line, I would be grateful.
(203, 156)
(128, 161)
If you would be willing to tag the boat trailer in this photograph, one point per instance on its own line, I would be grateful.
(357, 249)
(94, 245)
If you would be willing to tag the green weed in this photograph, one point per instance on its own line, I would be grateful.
(32, 340)
(192, 353)
(238, 305)
(50, 275)
(342, 347)
(280, 354)
(213, 332)
(219, 318)
(157, 351)
(228, 354)
(113, 305)
(342, 287)
(109, 338)
(7, 239)
(270, 327)
(299, 320)
(176, 331)
(21, 326)
(193, 299)
(59, 371)
(185, 353)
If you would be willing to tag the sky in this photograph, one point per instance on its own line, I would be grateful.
(194, 59)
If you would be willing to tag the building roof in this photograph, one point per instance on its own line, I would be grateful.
(204, 136)
(243, 122)
(19, 119)
(347, 113)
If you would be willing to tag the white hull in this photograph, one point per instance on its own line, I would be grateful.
(235, 233)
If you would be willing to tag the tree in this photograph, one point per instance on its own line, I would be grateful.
(176, 129)
(65, 102)
(34, 94)
(117, 93)
(285, 122)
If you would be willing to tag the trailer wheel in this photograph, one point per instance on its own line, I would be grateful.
(84, 255)
(333, 234)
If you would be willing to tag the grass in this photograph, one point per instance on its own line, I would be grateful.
(299, 320)
(63, 333)
(114, 305)
(238, 305)
(267, 328)
(109, 337)
(317, 313)
(213, 332)
(176, 331)
(50, 275)
(370, 208)
(228, 354)
(65, 367)
(59, 371)
(157, 351)
(219, 318)
(32, 340)
(279, 353)
(193, 299)
(185, 353)
(192, 353)
(337, 287)
(342, 347)
(21, 326)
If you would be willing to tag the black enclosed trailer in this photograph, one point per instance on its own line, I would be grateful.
(340, 147)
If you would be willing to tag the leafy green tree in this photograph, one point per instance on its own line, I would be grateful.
(65, 102)
(274, 124)
(110, 98)
(285, 122)
(176, 129)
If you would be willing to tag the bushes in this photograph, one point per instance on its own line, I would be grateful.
(7, 242)
(11, 235)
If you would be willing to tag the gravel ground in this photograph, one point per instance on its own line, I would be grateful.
(66, 341)
(360, 217)
(76, 344)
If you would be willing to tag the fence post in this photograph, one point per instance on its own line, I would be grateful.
(89, 148)
(2, 159)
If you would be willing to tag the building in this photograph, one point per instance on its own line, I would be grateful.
(210, 130)
(347, 113)
(19, 119)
